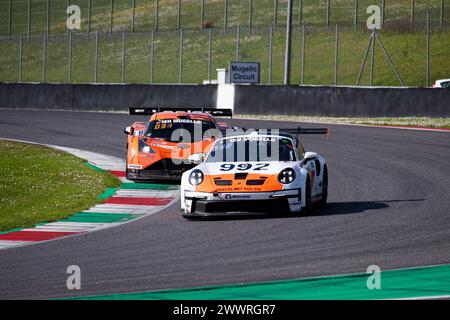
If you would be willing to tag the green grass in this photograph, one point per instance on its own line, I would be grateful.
(408, 51)
(314, 13)
(424, 122)
(39, 184)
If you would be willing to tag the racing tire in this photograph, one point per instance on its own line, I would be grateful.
(323, 201)
(189, 217)
(308, 198)
(127, 173)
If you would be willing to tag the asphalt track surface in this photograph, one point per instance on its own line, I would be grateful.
(388, 205)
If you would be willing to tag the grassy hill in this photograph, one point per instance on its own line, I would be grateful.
(408, 49)
(397, 13)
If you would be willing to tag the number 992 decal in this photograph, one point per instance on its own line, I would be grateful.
(244, 166)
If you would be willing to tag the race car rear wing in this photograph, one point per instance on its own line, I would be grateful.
(212, 111)
(296, 131)
(301, 130)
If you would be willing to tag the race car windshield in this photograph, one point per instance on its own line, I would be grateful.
(176, 130)
(252, 149)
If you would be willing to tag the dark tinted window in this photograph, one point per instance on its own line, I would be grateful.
(192, 129)
(252, 149)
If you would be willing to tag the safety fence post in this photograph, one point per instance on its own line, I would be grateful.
(29, 19)
(178, 14)
(156, 15)
(123, 56)
(96, 58)
(48, 16)
(180, 66)
(250, 14)
(300, 12)
(20, 57)
(336, 56)
(133, 14)
(69, 39)
(302, 78)
(202, 13)
(328, 13)
(275, 13)
(209, 54)
(152, 55)
(270, 55)
(225, 15)
(238, 42)
(44, 57)
(111, 12)
(89, 16)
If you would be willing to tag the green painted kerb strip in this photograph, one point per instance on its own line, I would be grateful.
(9, 231)
(402, 283)
(109, 192)
(94, 217)
(90, 165)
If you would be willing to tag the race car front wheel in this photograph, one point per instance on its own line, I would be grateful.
(323, 201)
(308, 199)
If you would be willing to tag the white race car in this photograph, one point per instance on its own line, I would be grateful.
(444, 83)
(255, 173)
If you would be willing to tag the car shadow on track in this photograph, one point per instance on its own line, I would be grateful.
(331, 209)
(159, 181)
(352, 207)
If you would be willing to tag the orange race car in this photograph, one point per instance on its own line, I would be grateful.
(160, 148)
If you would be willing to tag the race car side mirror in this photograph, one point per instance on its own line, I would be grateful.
(308, 156)
(196, 158)
(129, 130)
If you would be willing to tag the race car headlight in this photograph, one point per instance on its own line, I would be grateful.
(147, 149)
(286, 176)
(143, 147)
(196, 177)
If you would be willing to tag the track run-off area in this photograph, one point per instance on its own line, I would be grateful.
(388, 206)
(118, 205)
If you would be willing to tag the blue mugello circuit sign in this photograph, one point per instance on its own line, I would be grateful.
(244, 72)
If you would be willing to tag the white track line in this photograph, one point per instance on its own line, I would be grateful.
(62, 228)
(426, 298)
(123, 208)
(127, 193)
(87, 225)
(99, 160)
(12, 243)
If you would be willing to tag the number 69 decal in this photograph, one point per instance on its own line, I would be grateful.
(244, 166)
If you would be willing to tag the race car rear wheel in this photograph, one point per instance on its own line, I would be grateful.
(323, 201)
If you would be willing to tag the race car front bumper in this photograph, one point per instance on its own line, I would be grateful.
(238, 204)
(162, 170)
(148, 175)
